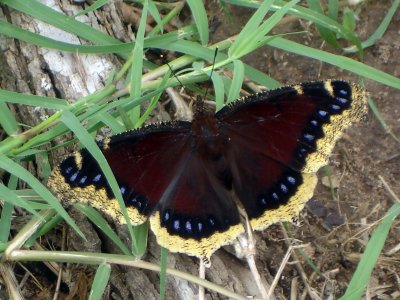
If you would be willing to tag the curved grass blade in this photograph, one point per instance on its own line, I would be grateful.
(200, 18)
(163, 271)
(7, 120)
(326, 34)
(337, 60)
(61, 21)
(92, 7)
(246, 34)
(135, 89)
(100, 281)
(219, 91)
(237, 80)
(33, 100)
(380, 30)
(96, 218)
(368, 260)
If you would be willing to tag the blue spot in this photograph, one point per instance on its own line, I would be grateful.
(211, 221)
(291, 179)
(97, 178)
(167, 216)
(123, 190)
(188, 226)
(275, 196)
(343, 92)
(200, 226)
(68, 170)
(73, 177)
(134, 201)
(284, 188)
(177, 225)
(83, 180)
(335, 107)
(322, 113)
(314, 123)
(309, 137)
(139, 203)
(263, 200)
(342, 100)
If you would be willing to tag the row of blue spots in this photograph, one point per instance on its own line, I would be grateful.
(279, 195)
(191, 227)
(82, 180)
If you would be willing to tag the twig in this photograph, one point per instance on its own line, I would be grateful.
(298, 266)
(10, 281)
(202, 275)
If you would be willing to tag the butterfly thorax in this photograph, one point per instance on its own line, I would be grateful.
(207, 136)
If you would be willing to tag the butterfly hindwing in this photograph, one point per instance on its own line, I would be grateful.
(198, 216)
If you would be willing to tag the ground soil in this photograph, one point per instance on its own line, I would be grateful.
(333, 229)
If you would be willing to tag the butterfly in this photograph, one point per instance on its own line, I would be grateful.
(259, 153)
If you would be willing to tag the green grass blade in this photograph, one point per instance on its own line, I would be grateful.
(108, 120)
(349, 20)
(5, 221)
(61, 21)
(247, 33)
(141, 233)
(7, 212)
(14, 168)
(255, 39)
(171, 14)
(137, 66)
(303, 13)
(219, 91)
(9, 196)
(51, 221)
(154, 101)
(196, 50)
(237, 80)
(7, 120)
(378, 33)
(33, 100)
(368, 260)
(337, 60)
(155, 14)
(92, 7)
(200, 18)
(13, 31)
(100, 281)
(333, 9)
(96, 218)
(326, 34)
(163, 272)
(381, 119)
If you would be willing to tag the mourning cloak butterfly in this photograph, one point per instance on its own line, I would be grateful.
(263, 150)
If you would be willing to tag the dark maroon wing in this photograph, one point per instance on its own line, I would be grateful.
(279, 139)
(161, 175)
(142, 162)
